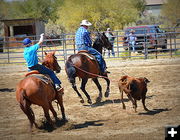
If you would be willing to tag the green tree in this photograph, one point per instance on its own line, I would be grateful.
(40, 9)
(4, 9)
(102, 13)
(171, 12)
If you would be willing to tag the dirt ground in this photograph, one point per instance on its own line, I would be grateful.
(106, 120)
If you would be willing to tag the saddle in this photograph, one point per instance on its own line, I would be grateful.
(90, 56)
(45, 78)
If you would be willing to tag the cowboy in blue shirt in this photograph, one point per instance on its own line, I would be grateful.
(83, 42)
(30, 55)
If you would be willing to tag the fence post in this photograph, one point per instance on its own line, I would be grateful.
(145, 46)
(8, 54)
(118, 34)
(175, 39)
(74, 45)
(64, 47)
(170, 44)
(117, 43)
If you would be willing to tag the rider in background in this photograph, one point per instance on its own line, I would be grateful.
(83, 42)
(30, 55)
(111, 39)
(132, 39)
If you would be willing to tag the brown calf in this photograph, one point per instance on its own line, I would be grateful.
(135, 88)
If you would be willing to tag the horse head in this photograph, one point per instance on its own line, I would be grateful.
(102, 41)
(50, 61)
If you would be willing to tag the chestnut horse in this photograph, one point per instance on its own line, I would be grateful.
(32, 90)
(83, 66)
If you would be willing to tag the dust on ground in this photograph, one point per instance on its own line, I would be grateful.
(106, 120)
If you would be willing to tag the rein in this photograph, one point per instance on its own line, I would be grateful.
(52, 43)
(97, 75)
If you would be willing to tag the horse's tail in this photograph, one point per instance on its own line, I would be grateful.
(25, 106)
(71, 71)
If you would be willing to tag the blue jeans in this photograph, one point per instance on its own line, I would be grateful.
(132, 43)
(111, 51)
(95, 53)
(44, 70)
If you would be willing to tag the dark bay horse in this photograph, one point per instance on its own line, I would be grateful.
(84, 67)
(32, 90)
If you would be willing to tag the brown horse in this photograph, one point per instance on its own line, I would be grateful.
(32, 90)
(85, 67)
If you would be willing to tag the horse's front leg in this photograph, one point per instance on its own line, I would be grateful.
(83, 85)
(99, 98)
(108, 84)
(75, 88)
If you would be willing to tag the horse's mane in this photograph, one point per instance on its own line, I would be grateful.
(101, 42)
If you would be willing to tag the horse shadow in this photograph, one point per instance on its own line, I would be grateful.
(154, 111)
(87, 124)
(47, 127)
(97, 104)
(7, 90)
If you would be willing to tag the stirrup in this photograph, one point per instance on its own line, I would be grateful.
(60, 90)
(105, 72)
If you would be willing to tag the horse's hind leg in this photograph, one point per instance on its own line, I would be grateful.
(60, 101)
(75, 88)
(29, 113)
(46, 113)
(108, 84)
(98, 99)
(53, 111)
(83, 85)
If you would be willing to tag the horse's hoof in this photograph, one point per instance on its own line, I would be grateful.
(82, 101)
(146, 109)
(98, 99)
(89, 101)
(36, 125)
(106, 94)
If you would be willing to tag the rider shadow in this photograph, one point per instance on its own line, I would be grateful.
(97, 104)
(154, 111)
(87, 124)
(47, 127)
(7, 90)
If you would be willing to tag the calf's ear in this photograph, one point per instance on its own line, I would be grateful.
(146, 80)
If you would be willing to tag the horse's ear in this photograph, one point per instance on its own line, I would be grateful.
(54, 52)
(45, 53)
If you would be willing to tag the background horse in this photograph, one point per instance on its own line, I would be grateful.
(82, 66)
(32, 90)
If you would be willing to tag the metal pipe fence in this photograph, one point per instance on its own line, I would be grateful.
(11, 48)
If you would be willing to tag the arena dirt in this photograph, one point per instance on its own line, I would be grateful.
(106, 120)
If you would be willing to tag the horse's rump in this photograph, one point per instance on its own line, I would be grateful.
(84, 65)
(35, 89)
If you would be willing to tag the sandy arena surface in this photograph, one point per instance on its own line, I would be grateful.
(106, 120)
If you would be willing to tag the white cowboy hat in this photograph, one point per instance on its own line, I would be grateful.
(108, 29)
(132, 31)
(85, 22)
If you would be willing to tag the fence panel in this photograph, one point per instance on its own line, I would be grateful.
(64, 45)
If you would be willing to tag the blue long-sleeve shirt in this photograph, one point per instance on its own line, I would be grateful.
(30, 55)
(83, 37)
